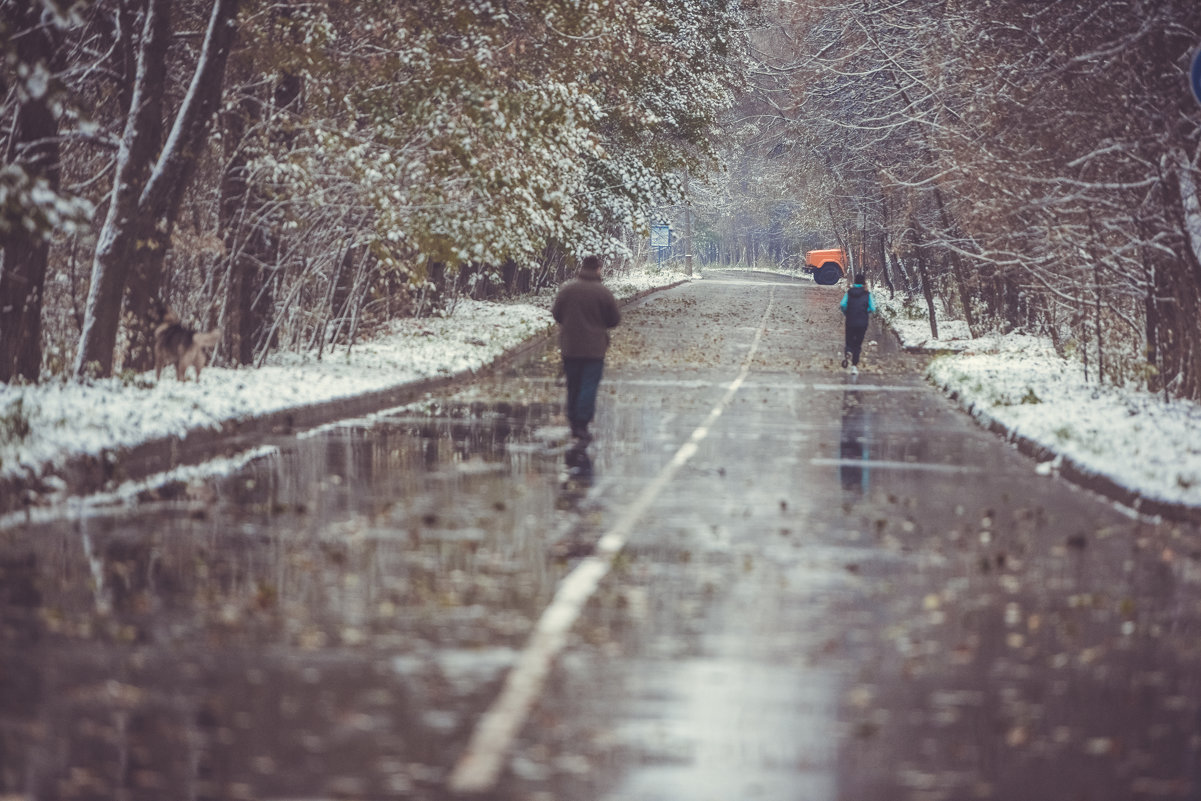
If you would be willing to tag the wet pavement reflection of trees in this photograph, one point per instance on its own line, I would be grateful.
(849, 591)
(854, 592)
(323, 623)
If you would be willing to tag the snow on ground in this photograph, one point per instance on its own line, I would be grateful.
(911, 322)
(53, 422)
(1136, 439)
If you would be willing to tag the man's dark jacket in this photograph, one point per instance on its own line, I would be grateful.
(585, 311)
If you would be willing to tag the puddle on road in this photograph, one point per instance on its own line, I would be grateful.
(326, 622)
(330, 621)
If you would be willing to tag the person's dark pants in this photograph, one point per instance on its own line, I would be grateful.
(583, 381)
(855, 341)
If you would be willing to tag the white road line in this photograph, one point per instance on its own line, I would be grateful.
(692, 383)
(749, 282)
(884, 464)
(869, 388)
(480, 765)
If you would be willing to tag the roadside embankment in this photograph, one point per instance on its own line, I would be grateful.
(63, 438)
(1139, 449)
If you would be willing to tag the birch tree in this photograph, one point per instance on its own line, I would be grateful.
(150, 179)
(477, 141)
(366, 157)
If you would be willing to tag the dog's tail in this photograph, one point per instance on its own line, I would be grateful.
(207, 339)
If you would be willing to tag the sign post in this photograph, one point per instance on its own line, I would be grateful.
(687, 227)
(660, 241)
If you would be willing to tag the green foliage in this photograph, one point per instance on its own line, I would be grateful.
(476, 132)
(371, 149)
(31, 204)
(28, 200)
(14, 422)
(912, 309)
(134, 379)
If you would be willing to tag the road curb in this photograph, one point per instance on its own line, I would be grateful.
(1082, 475)
(91, 473)
(1067, 467)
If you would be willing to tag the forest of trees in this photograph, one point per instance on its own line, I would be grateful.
(1026, 166)
(295, 173)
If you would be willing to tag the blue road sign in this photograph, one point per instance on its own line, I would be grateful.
(1195, 75)
(660, 236)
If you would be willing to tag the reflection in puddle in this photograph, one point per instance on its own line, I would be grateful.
(732, 728)
(324, 622)
(854, 447)
(575, 485)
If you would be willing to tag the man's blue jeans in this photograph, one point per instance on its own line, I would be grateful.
(583, 380)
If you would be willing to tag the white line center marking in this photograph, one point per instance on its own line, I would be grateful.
(884, 464)
(479, 767)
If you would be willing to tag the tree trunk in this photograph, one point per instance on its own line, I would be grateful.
(145, 201)
(342, 291)
(902, 272)
(923, 272)
(1184, 279)
(962, 285)
(139, 143)
(1099, 301)
(884, 271)
(23, 260)
(163, 195)
(248, 240)
(1151, 321)
(241, 237)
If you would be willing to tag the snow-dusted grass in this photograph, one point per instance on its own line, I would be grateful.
(630, 283)
(54, 422)
(1135, 439)
(912, 323)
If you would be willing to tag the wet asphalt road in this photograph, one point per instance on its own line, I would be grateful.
(826, 589)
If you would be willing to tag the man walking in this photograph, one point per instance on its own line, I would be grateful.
(856, 305)
(585, 311)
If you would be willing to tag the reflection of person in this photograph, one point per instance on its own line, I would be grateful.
(579, 467)
(853, 444)
(585, 311)
(573, 489)
(856, 305)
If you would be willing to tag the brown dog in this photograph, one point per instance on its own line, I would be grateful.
(175, 343)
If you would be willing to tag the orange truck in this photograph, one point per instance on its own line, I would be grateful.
(826, 266)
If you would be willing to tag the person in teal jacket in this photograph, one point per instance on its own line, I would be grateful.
(857, 305)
